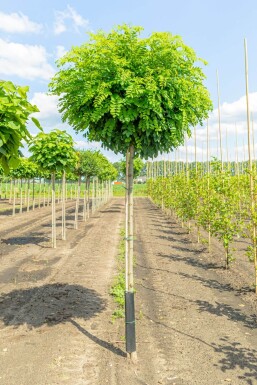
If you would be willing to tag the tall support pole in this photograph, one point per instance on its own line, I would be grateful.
(63, 206)
(250, 165)
(195, 150)
(218, 92)
(253, 138)
(129, 294)
(53, 213)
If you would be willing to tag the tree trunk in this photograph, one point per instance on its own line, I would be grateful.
(77, 205)
(33, 195)
(48, 193)
(53, 213)
(21, 197)
(88, 197)
(10, 196)
(129, 294)
(14, 197)
(40, 192)
(85, 202)
(93, 196)
(63, 206)
(44, 193)
(28, 194)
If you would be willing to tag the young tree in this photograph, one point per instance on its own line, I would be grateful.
(54, 152)
(15, 111)
(26, 170)
(138, 96)
(138, 165)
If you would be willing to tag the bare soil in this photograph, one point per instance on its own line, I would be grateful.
(196, 322)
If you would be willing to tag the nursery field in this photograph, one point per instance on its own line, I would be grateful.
(195, 320)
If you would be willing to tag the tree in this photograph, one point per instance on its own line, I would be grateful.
(138, 96)
(92, 164)
(138, 165)
(54, 152)
(26, 169)
(15, 111)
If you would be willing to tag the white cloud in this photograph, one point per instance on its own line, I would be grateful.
(25, 61)
(83, 144)
(61, 18)
(18, 23)
(236, 109)
(47, 104)
(60, 51)
(233, 119)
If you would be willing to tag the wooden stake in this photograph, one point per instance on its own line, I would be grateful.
(64, 206)
(218, 91)
(53, 213)
(250, 166)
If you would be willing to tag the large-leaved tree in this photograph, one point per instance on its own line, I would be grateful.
(15, 112)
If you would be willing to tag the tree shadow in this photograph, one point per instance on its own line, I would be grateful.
(53, 304)
(224, 310)
(192, 261)
(31, 238)
(233, 356)
(237, 357)
(210, 283)
(98, 341)
(49, 304)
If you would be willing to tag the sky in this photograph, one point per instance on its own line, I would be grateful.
(34, 34)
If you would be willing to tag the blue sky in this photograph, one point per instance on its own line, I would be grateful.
(34, 33)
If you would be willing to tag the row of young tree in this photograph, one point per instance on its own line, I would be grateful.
(54, 156)
(213, 198)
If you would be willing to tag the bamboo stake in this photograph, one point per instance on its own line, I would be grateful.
(53, 213)
(208, 185)
(33, 194)
(63, 206)
(77, 204)
(195, 150)
(250, 165)
(14, 197)
(21, 197)
(218, 92)
(253, 139)
(129, 296)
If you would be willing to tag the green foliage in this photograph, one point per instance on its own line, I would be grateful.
(212, 200)
(122, 89)
(93, 163)
(15, 111)
(26, 169)
(53, 151)
(138, 166)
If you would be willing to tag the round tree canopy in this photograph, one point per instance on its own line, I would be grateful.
(54, 151)
(122, 89)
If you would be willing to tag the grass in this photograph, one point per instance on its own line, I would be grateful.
(139, 190)
(118, 287)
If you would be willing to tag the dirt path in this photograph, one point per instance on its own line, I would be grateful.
(193, 326)
(52, 315)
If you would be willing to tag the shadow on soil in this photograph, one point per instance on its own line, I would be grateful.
(190, 260)
(53, 304)
(98, 341)
(35, 239)
(232, 355)
(49, 304)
